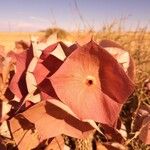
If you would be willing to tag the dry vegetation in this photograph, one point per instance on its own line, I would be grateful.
(8, 39)
(138, 43)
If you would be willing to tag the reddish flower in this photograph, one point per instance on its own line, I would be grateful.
(92, 84)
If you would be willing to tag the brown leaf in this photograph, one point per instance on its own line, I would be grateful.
(40, 75)
(46, 89)
(99, 146)
(53, 54)
(57, 143)
(109, 146)
(145, 132)
(121, 55)
(18, 83)
(23, 133)
(142, 113)
(141, 123)
(84, 40)
(51, 121)
(57, 50)
(112, 134)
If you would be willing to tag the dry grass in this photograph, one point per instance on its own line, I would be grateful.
(8, 39)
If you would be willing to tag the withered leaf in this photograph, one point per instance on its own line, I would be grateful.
(18, 83)
(23, 132)
(57, 143)
(51, 121)
(121, 55)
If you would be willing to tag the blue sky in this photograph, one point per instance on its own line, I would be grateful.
(33, 15)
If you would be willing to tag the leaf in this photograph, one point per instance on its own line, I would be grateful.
(112, 134)
(2, 146)
(90, 78)
(84, 40)
(110, 43)
(51, 121)
(53, 54)
(46, 89)
(60, 51)
(142, 113)
(49, 62)
(62, 106)
(110, 146)
(141, 123)
(40, 75)
(30, 79)
(115, 146)
(18, 83)
(57, 50)
(145, 132)
(99, 146)
(31, 82)
(121, 55)
(70, 49)
(57, 143)
(23, 133)
(69, 111)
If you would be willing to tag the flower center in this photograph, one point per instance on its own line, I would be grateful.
(90, 80)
